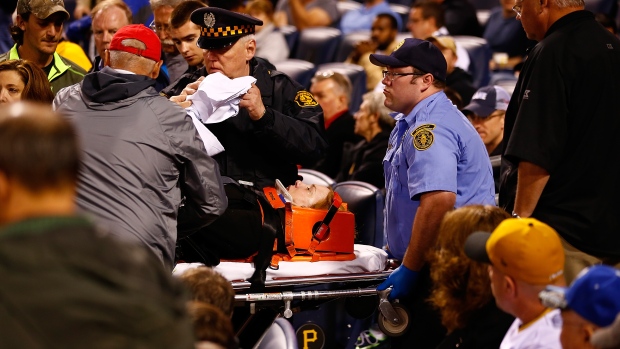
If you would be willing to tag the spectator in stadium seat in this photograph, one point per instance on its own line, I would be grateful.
(208, 286)
(427, 19)
(382, 41)
(23, 80)
(591, 303)
(108, 17)
(486, 112)
(363, 18)
(332, 91)
(306, 13)
(270, 42)
(173, 60)
(461, 287)
(36, 32)
(524, 255)
(364, 161)
(504, 34)
(458, 79)
(66, 283)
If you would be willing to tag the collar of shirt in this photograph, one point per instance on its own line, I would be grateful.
(333, 118)
(123, 71)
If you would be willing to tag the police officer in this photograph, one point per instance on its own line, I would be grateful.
(279, 124)
(435, 162)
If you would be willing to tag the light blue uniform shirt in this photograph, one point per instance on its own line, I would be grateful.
(434, 148)
(362, 18)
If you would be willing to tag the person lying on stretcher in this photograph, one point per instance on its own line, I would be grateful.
(249, 226)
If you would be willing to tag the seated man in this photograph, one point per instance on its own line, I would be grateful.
(364, 160)
(66, 283)
(362, 18)
(458, 79)
(306, 13)
(591, 302)
(524, 255)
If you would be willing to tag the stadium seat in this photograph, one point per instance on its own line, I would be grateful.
(299, 70)
(348, 42)
(318, 45)
(365, 201)
(311, 176)
(479, 54)
(347, 5)
(281, 335)
(403, 12)
(291, 35)
(356, 74)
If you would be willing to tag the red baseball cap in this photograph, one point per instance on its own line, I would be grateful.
(152, 45)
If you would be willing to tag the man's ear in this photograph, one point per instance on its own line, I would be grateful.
(156, 68)
(510, 286)
(106, 58)
(5, 187)
(21, 23)
(250, 49)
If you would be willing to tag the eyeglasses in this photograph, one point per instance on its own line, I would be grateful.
(158, 27)
(477, 119)
(517, 9)
(393, 75)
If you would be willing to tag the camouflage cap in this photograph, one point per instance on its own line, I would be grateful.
(41, 8)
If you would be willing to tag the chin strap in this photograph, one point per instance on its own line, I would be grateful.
(321, 230)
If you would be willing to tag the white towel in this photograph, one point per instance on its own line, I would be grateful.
(217, 98)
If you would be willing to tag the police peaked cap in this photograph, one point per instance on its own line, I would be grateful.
(220, 28)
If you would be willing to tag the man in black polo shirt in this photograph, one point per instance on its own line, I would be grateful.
(560, 123)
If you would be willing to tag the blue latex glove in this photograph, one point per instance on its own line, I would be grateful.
(402, 281)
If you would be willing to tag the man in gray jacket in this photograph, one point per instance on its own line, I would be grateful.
(142, 153)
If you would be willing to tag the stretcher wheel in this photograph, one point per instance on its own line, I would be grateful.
(390, 329)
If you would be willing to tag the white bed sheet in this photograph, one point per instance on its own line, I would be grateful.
(367, 259)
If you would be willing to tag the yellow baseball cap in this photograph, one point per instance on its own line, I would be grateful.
(524, 248)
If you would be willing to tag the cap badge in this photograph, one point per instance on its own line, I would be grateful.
(423, 136)
(399, 45)
(209, 20)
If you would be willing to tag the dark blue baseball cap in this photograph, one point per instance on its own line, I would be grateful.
(417, 53)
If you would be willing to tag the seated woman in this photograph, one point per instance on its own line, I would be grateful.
(23, 80)
(249, 226)
(462, 288)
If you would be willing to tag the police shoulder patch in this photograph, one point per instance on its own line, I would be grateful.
(305, 99)
(423, 136)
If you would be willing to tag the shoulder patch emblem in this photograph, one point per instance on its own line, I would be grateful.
(423, 136)
(305, 99)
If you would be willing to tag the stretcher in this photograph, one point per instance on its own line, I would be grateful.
(298, 286)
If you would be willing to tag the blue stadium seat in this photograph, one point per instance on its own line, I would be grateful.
(356, 74)
(479, 54)
(318, 45)
(291, 35)
(348, 42)
(315, 177)
(299, 70)
(365, 201)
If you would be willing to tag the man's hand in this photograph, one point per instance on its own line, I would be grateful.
(361, 48)
(402, 280)
(181, 100)
(253, 103)
(191, 88)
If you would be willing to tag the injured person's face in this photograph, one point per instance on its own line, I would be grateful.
(308, 195)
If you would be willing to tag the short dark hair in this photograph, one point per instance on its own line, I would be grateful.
(430, 9)
(390, 17)
(180, 15)
(38, 148)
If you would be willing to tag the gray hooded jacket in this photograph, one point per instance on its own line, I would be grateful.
(141, 155)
